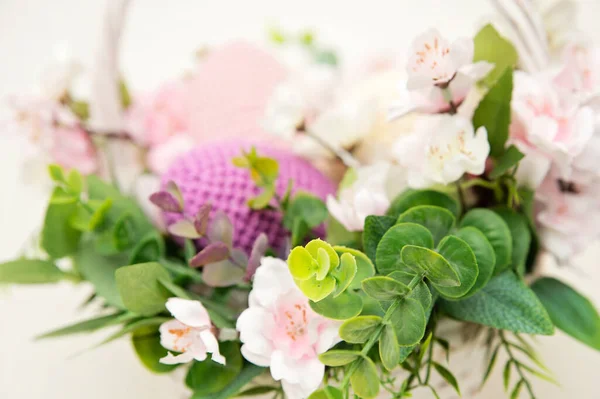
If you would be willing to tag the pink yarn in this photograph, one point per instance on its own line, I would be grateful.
(207, 174)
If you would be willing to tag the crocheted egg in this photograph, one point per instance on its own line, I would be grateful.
(207, 174)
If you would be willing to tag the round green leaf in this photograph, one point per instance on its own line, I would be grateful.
(316, 290)
(484, 254)
(391, 244)
(521, 237)
(359, 329)
(389, 350)
(326, 393)
(364, 266)
(208, 377)
(497, 233)
(439, 221)
(146, 342)
(313, 248)
(302, 264)
(324, 263)
(410, 198)
(338, 357)
(384, 288)
(462, 259)
(364, 380)
(409, 322)
(431, 264)
(343, 307)
(140, 289)
(344, 273)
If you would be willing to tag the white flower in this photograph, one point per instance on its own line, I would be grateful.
(279, 330)
(440, 149)
(367, 195)
(190, 333)
(434, 61)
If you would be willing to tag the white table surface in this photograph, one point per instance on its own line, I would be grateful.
(159, 39)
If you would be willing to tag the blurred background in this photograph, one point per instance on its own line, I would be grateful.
(160, 40)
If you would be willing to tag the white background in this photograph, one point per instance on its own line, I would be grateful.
(159, 40)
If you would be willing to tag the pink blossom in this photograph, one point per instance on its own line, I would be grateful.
(72, 148)
(279, 330)
(581, 70)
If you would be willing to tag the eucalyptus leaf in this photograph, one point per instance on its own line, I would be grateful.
(208, 377)
(389, 350)
(384, 288)
(409, 322)
(30, 271)
(495, 229)
(462, 259)
(307, 207)
(146, 343)
(140, 288)
(484, 254)
(505, 303)
(364, 380)
(394, 240)
(343, 307)
(249, 373)
(150, 248)
(327, 393)
(412, 198)
(364, 266)
(375, 228)
(359, 329)
(569, 310)
(439, 221)
(521, 237)
(431, 264)
(344, 273)
(317, 290)
(338, 357)
(58, 237)
(224, 273)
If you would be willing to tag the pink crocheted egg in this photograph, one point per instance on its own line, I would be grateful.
(207, 174)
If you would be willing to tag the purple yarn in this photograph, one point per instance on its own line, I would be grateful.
(207, 174)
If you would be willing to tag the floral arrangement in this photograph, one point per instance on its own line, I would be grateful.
(249, 256)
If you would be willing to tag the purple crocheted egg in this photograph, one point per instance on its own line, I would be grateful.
(207, 174)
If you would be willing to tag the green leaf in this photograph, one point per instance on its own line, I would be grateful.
(505, 303)
(409, 322)
(264, 389)
(484, 254)
(393, 241)
(506, 375)
(431, 264)
(338, 357)
(344, 273)
(412, 198)
(507, 161)
(59, 238)
(317, 290)
(384, 288)
(491, 364)
(420, 293)
(364, 266)
(208, 377)
(494, 112)
(405, 352)
(570, 311)
(89, 325)
(342, 307)
(301, 263)
(389, 350)
(447, 376)
(56, 173)
(135, 325)
(248, 374)
(375, 228)
(327, 393)
(517, 390)
(364, 380)
(150, 248)
(439, 221)
(263, 199)
(146, 342)
(359, 329)
(491, 47)
(30, 271)
(521, 237)
(306, 207)
(75, 182)
(100, 271)
(462, 259)
(495, 229)
(140, 288)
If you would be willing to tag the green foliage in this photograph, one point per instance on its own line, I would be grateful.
(505, 303)
(150, 248)
(59, 238)
(327, 393)
(521, 237)
(439, 221)
(146, 343)
(359, 329)
(408, 320)
(462, 260)
(569, 310)
(375, 228)
(208, 377)
(264, 172)
(484, 254)
(491, 47)
(384, 288)
(389, 349)
(447, 376)
(364, 266)
(494, 113)
(342, 307)
(495, 229)
(412, 198)
(306, 207)
(393, 241)
(365, 381)
(30, 271)
(338, 357)
(506, 161)
(140, 289)
(89, 325)
(249, 372)
(431, 264)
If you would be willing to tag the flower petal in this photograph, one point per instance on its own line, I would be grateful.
(191, 313)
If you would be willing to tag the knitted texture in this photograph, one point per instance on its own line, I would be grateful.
(207, 174)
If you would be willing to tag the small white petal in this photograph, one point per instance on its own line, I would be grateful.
(179, 359)
(191, 313)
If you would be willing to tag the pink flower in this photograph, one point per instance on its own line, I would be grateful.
(189, 333)
(545, 122)
(581, 70)
(279, 330)
(72, 148)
